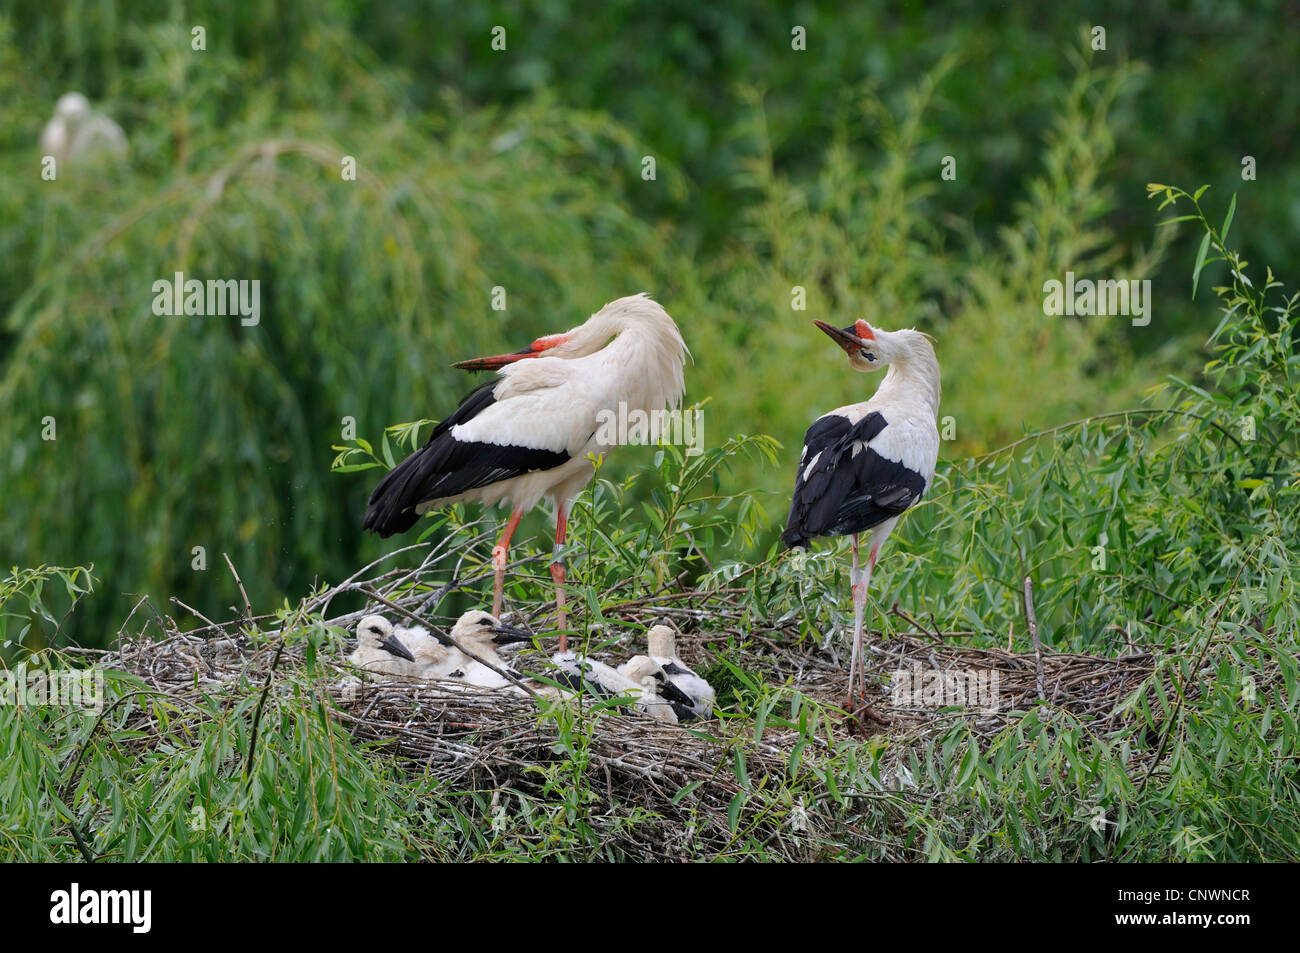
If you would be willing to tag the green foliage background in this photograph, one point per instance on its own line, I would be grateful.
(522, 169)
(1156, 513)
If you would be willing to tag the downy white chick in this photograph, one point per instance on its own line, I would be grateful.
(379, 649)
(482, 634)
(655, 688)
(433, 660)
(579, 673)
(663, 649)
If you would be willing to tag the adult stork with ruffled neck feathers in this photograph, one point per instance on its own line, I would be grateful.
(863, 465)
(527, 433)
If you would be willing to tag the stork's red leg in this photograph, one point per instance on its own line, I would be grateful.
(558, 573)
(858, 669)
(866, 582)
(500, 552)
(859, 599)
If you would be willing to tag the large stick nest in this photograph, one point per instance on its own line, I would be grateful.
(488, 741)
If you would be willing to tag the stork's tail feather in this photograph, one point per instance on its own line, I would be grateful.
(794, 539)
(390, 509)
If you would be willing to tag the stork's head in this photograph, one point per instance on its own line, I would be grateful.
(909, 353)
(550, 345)
(377, 632)
(642, 668)
(480, 631)
(638, 312)
(651, 676)
(868, 349)
(662, 641)
(72, 106)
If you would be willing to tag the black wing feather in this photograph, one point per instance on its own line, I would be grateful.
(445, 467)
(847, 492)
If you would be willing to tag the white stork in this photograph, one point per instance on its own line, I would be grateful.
(864, 464)
(433, 659)
(482, 634)
(643, 680)
(527, 434)
(661, 642)
(654, 682)
(77, 130)
(380, 650)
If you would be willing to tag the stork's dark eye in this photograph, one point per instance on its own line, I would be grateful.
(866, 354)
(485, 620)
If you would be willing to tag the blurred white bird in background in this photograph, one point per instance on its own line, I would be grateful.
(78, 131)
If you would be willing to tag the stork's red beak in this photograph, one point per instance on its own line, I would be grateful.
(536, 349)
(851, 338)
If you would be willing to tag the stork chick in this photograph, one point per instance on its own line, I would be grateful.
(531, 432)
(379, 650)
(653, 681)
(483, 635)
(864, 464)
(662, 643)
(433, 659)
(582, 674)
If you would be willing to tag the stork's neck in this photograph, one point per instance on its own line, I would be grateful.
(913, 376)
(646, 365)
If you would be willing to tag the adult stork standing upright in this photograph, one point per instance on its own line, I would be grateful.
(527, 433)
(864, 464)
